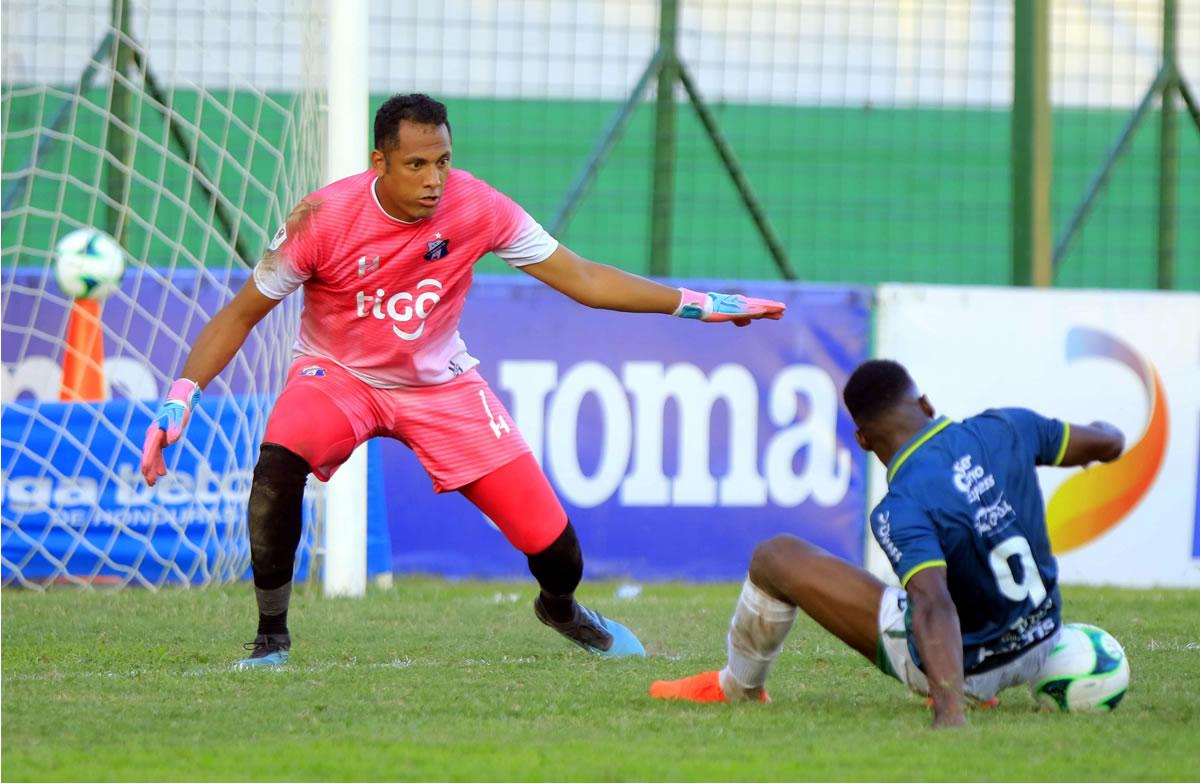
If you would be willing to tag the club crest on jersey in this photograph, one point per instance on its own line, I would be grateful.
(438, 248)
(313, 371)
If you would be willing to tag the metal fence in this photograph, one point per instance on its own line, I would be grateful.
(876, 136)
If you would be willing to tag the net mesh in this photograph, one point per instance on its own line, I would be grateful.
(1104, 60)
(188, 136)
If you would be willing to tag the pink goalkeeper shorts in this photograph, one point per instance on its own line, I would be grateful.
(459, 429)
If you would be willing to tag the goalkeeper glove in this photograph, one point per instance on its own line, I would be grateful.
(167, 427)
(714, 307)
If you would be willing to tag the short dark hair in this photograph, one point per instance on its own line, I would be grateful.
(874, 388)
(414, 107)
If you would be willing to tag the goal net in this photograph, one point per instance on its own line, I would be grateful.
(186, 131)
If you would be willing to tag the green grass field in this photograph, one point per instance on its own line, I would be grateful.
(457, 681)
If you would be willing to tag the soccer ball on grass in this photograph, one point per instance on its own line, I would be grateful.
(88, 264)
(1086, 672)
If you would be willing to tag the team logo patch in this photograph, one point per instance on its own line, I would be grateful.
(438, 248)
(279, 238)
(313, 371)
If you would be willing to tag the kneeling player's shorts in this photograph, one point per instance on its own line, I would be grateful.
(459, 429)
(894, 657)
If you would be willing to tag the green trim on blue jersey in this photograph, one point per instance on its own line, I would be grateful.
(920, 567)
(1062, 450)
(937, 427)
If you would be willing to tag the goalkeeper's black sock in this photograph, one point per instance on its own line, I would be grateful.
(273, 608)
(561, 608)
(276, 498)
(558, 569)
(276, 501)
(272, 624)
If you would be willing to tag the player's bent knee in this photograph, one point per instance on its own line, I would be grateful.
(559, 567)
(778, 555)
(275, 514)
(277, 475)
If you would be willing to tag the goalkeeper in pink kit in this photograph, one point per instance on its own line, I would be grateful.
(385, 259)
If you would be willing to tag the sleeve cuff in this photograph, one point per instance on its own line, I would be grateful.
(268, 287)
(532, 245)
(1062, 449)
(918, 568)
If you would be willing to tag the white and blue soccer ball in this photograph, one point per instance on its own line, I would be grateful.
(1086, 672)
(88, 264)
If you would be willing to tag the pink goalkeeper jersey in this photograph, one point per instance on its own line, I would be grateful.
(382, 297)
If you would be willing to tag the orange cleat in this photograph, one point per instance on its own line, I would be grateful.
(704, 687)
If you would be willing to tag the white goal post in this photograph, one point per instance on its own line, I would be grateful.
(345, 522)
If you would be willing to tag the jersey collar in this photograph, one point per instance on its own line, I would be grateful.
(916, 442)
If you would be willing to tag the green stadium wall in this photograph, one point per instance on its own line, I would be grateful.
(857, 195)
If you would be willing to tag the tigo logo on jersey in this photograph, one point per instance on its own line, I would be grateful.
(313, 371)
(438, 248)
(397, 306)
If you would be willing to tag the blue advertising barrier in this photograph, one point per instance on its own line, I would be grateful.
(86, 512)
(62, 518)
(674, 445)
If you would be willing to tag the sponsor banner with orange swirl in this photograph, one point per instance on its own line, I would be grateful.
(1129, 358)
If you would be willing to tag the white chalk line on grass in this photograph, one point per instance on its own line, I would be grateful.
(229, 668)
(1155, 645)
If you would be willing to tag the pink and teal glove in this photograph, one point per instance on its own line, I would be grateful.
(167, 427)
(713, 307)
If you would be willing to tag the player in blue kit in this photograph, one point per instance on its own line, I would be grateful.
(963, 524)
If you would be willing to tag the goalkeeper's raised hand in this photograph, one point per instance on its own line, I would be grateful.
(714, 307)
(167, 427)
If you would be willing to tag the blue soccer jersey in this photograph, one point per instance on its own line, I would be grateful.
(966, 496)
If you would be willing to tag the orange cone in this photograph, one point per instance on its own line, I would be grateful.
(83, 361)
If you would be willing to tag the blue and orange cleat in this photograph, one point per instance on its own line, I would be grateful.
(704, 687)
(593, 632)
(268, 651)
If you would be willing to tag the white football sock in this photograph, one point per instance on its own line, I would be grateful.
(757, 630)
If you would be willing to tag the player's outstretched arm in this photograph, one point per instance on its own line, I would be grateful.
(1095, 442)
(608, 288)
(216, 344)
(939, 643)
